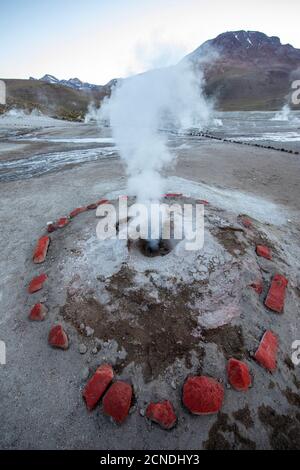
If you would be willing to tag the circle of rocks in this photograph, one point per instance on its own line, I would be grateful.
(200, 395)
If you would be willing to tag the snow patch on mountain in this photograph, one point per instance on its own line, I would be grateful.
(74, 83)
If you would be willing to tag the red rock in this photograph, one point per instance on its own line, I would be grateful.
(92, 207)
(246, 222)
(258, 286)
(162, 414)
(266, 355)
(276, 296)
(41, 250)
(203, 395)
(38, 313)
(58, 338)
(102, 201)
(263, 251)
(52, 228)
(170, 195)
(98, 384)
(238, 375)
(37, 283)
(203, 202)
(61, 223)
(77, 211)
(117, 401)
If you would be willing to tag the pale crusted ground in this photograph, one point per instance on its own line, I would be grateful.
(41, 405)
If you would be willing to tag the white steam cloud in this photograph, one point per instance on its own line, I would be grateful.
(283, 114)
(139, 109)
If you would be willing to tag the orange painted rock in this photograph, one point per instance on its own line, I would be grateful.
(117, 401)
(77, 211)
(264, 251)
(238, 375)
(266, 355)
(52, 228)
(38, 313)
(203, 395)
(172, 195)
(102, 201)
(58, 338)
(162, 414)
(61, 223)
(98, 384)
(246, 222)
(203, 202)
(41, 250)
(276, 296)
(92, 207)
(37, 283)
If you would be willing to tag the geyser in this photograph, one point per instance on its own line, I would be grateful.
(139, 108)
(153, 248)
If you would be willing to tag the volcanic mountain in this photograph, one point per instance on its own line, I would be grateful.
(247, 69)
(243, 70)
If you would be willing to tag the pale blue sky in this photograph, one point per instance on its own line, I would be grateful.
(97, 40)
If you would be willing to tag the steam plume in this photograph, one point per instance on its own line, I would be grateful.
(139, 108)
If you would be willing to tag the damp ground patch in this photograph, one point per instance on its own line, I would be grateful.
(284, 431)
(153, 334)
(229, 339)
(244, 416)
(225, 435)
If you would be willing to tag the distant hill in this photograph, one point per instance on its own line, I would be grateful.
(247, 70)
(54, 99)
(74, 83)
(244, 70)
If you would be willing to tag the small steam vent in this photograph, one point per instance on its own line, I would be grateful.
(153, 248)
